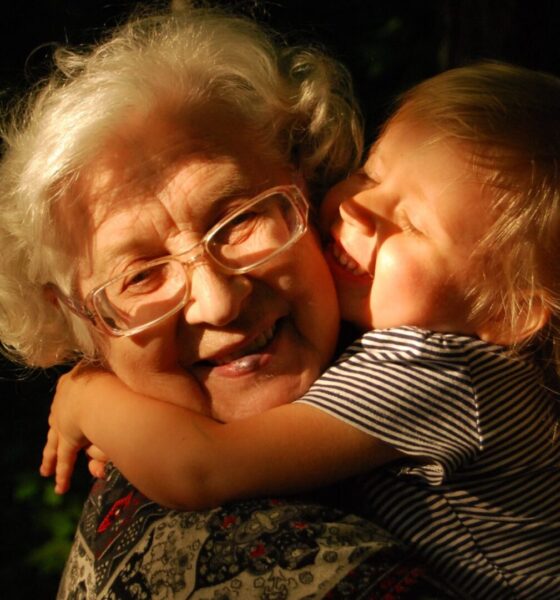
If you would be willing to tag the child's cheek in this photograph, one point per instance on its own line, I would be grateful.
(396, 294)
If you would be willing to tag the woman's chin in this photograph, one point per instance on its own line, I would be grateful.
(276, 392)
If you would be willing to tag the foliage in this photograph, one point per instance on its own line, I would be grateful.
(53, 516)
(38, 524)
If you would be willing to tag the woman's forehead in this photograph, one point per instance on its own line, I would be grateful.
(142, 159)
(154, 179)
(140, 217)
(152, 216)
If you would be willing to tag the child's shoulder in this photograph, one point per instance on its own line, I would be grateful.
(417, 342)
(417, 335)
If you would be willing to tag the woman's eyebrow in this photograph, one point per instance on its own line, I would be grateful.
(115, 252)
(235, 187)
(212, 202)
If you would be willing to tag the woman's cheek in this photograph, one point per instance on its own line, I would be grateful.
(137, 359)
(318, 308)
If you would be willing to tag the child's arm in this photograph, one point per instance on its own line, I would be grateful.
(65, 438)
(183, 459)
(59, 458)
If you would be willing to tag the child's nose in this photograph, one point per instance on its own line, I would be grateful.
(358, 216)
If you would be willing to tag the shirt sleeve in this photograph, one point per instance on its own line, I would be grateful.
(411, 389)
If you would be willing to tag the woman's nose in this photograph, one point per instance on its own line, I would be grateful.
(216, 298)
(358, 215)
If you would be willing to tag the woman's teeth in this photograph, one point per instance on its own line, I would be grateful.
(347, 262)
(255, 346)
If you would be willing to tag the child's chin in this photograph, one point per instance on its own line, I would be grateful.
(362, 322)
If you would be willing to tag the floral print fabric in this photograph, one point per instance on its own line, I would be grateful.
(128, 547)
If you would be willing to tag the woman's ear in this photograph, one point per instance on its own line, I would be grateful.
(50, 295)
(533, 315)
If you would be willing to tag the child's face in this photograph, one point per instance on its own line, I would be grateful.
(403, 228)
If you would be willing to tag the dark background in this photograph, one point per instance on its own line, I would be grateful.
(387, 45)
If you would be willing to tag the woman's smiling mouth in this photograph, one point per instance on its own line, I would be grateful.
(255, 346)
(246, 358)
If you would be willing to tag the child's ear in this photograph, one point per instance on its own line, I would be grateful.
(533, 316)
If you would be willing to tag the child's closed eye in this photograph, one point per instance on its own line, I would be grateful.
(407, 224)
(365, 177)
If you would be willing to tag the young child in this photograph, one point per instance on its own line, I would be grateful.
(444, 248)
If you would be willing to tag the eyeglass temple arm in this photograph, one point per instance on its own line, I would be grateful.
(74, 305)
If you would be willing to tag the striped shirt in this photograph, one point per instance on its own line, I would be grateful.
(478, 495)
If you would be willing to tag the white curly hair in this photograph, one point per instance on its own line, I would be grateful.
(297, 99)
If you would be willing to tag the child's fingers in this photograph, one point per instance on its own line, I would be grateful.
(97, 460)
(97, 468)
(48, 462)
(96, 454)
(66, 459)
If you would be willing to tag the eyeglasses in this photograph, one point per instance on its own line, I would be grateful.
(253, 234)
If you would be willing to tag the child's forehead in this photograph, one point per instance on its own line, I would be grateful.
(419, 162)
(373, 156)
(421, 136)
(400, 136)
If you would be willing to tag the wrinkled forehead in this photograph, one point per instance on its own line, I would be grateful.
(139, 159)
(164, 163)
(127, 168)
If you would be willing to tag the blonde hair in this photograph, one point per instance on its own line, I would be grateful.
(509, 119)
(297, 100)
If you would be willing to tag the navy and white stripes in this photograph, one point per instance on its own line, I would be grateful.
(479, 497)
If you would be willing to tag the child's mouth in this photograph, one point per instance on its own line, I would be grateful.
(344, 267)
(345, 261)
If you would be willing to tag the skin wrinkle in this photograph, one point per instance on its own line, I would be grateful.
(132, 166)
(152, 219)
(117, 254)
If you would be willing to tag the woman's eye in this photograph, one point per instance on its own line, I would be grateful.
(241, 220)
(238, 229)
(138, 278)
(144, 281)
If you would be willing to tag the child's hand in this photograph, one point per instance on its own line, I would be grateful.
(65, 437)
(97, 460)
(59, 458)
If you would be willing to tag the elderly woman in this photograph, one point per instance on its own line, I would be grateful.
(146, 158)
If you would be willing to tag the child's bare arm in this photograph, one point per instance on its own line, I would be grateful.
(78, 391)
(59, 456)
(183, 459)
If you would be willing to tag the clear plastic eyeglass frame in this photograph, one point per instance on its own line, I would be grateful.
(283, 208)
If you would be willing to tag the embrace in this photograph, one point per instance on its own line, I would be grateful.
(183, 213)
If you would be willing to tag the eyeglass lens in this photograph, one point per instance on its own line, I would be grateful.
(250, 237)
(255, 233)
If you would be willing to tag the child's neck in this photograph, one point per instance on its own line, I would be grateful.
(348, 333)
